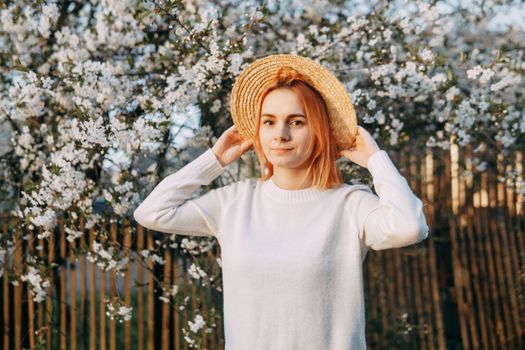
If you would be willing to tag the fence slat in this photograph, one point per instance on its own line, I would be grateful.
(126, 244)
(72, 294)
(113, 288)
(418, 263)
(175, 310)
(186, 291)
(83, 277)
(371, 272)
(30, 298)
(457, 264)
(140, 289)
(498, 282)
(5, 286)
(40, 307)
(204, 314)
(209, 299)
(150, 296)
(102, 292)
(49, 298)
(427, 275)
(92, 296)
(509, 256)
(62, 302)
(466, 257)
(166, 309)
(17, 290)
(383, 292)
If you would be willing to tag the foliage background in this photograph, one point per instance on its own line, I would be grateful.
(101, 99)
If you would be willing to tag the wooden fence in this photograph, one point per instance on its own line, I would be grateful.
(463, 287)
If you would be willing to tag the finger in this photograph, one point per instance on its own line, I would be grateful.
(231, 130)
(246, 145)
(346, 153)
(234, 134)
(240, 138)
(227, 134)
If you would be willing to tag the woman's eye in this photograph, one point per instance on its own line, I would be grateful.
(294, 122)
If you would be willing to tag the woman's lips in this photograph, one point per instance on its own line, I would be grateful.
(281, 150)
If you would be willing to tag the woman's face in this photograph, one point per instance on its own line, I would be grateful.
(284, 132)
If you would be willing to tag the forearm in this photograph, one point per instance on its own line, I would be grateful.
(396, 218)
(157, 211)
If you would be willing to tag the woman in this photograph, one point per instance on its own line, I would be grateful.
(293, 241)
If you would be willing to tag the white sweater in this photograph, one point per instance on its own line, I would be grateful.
(291, 259)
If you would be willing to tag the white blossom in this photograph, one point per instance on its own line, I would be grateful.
(426, 55)
(38, 285)
(509, 79)
(478, 72)
(196, 272)
(157, 259)
(216, 106)
(196, 324)
(451, 93)
(118, 311)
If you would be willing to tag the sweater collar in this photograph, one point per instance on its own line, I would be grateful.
(290, 196)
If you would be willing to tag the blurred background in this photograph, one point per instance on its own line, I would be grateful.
(100, 100)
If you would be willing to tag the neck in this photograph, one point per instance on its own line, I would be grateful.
(291, 179)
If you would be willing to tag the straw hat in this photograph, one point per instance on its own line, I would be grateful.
(251, 83)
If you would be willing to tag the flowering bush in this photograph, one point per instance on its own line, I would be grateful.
(99, 97)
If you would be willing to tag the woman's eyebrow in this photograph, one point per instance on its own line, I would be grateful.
(290, 115)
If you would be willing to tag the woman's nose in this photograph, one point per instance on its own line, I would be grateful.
(282, 133)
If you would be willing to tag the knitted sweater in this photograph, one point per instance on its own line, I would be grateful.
(291, 259)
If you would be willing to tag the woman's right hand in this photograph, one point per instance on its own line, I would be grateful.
(230, 146)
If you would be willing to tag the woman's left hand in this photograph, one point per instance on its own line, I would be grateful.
(363, 147)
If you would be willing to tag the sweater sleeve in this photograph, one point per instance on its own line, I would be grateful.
(169, 207)
(395, 218)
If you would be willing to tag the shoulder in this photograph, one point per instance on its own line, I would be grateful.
(354, 195)
(244, 183)
(354, 190)
(239, 187)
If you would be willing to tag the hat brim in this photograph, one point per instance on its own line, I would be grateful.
(254, 79)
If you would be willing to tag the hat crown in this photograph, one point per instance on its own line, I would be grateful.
(286, 75)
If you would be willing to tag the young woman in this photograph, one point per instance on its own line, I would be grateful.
(293, 241)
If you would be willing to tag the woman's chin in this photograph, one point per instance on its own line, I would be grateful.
(285, 164)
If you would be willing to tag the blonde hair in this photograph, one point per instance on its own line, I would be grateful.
(321, 164)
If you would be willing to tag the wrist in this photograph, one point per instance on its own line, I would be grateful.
(219, 159)
(370, 155)
(374, 152)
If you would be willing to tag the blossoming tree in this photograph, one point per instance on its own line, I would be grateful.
(97, 96)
